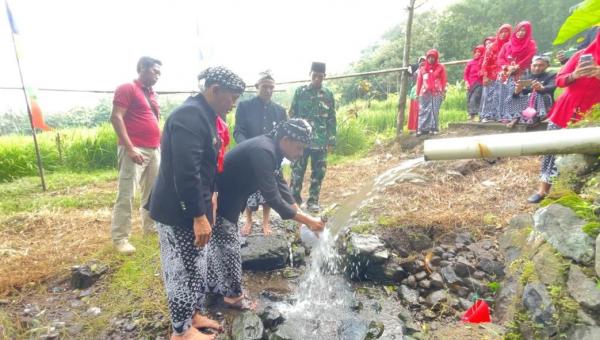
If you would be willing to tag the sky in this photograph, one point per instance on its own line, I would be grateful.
(95, 44)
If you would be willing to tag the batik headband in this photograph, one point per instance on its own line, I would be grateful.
(296, 129)
(224, 77)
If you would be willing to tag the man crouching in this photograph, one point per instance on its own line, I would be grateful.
(252, 165)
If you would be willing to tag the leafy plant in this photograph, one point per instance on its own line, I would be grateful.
(583, 17)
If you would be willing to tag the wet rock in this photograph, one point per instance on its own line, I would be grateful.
(491, 267)
(353, 329)
(584, 333)
(583, 289)
(356, 306)
(537, 301)
(437, 282)
(284, 332)
(265, 253)
(561, 228)
(436, 297)
(366, 257)
(271, 318)
(465, 238)
(394, 272)
(463, 268)
(375, 330)
(376, 307)
(273, 296)
(299, 255)
(290, 273)
(409, 295)
(449, 275)
(247, 326)
(86, 275)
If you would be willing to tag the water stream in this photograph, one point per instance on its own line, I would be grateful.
(321, 307)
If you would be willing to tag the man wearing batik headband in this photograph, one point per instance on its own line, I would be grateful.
(314, 103)
(252, 165)
(184, 197)
(255, 117)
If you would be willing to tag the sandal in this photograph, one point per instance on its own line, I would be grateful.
(535, 198)
(243, 303)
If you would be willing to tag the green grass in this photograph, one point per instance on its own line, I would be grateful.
(135, 285)
(65, 190)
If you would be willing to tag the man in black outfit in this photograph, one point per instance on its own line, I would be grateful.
(183, 198)
(255, 117)
(254, 164)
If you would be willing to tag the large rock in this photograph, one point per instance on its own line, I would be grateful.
(576, 163)
(271, 318)
(537, 301)
(584, 333)
(560, 227)
(366, 257)
(549, 265)
(353, 329)
(247, 326)
(262, 253)
(491, 267)
(409, 295)
(583, 289)
(86, 275)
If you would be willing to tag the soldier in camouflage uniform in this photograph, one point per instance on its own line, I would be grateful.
(315, 104)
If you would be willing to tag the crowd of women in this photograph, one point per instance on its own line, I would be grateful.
(508, 83)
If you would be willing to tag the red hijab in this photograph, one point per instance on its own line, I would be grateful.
(520, 50)
(481, 49)
(432, 75)
(579, 96)
(490, 66)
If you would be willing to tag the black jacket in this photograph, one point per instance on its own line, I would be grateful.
(254, 118)
(254, 164)
(547, 79)
(187, 176)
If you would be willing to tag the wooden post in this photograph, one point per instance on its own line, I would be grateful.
(403, 91)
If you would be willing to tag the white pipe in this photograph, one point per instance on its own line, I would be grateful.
(565, 141)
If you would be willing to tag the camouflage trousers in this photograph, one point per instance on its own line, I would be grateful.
(318, 164)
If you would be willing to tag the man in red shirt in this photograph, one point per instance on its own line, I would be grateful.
(135, 118)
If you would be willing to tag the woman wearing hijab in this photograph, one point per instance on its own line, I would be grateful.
(581, 80)
(431, 89)
(490, 70)
(514, 61)
(413, 113)
(474, 80)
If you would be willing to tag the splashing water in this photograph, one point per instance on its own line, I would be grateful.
(323, 299)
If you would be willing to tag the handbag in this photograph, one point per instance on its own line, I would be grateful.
(530, 112)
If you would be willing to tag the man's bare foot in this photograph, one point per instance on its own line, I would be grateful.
(512, 123)
(240, 303)
(267, 229)
(201, 321)
(193, 334)
(246, 229)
